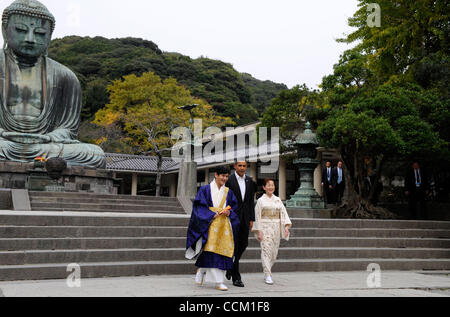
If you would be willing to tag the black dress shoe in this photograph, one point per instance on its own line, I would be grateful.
(238, 283)
(228, 275)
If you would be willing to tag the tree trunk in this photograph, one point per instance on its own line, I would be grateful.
(374, 190)
(355, 205)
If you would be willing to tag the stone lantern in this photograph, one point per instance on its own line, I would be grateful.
(306, 197)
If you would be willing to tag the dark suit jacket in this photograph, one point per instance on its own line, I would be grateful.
(335, 176)
(325, 177)
(410, 180)
(246, 209)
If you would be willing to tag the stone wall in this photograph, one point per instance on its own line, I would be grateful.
(436, 211)
(5, 199)
(74, 179)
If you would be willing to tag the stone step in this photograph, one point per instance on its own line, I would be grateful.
(54, 200)
(158, 231)
(88, 219)
(24, 244)
(98, 196)
(91, 219)
(355, 223)
(105, 207)
(147, 268)
(123, 211)
(165, 254)
(309, 213)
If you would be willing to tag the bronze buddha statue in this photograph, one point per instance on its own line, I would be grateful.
(40, 98)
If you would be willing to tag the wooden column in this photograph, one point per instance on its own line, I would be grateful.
(254, 171)
(134, 184)
(282, 180)
(173, 185)
(207, 176)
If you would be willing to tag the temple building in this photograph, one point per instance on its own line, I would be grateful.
(136, 175)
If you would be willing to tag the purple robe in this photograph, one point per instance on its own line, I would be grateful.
(201, 219)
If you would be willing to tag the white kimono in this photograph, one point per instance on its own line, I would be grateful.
(271, 218)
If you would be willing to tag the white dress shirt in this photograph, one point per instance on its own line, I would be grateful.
(242, 186)
(340, 179)
(418, 177)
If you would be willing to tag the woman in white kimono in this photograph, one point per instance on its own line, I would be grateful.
(271, 224)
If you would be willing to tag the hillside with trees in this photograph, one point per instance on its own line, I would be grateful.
(99, 61)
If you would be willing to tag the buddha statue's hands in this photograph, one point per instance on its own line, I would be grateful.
(26, 138)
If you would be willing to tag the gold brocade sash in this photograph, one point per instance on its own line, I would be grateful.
(220, 234)
(270, 214)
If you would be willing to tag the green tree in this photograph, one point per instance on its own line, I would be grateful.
(99, 61)
(389, 95)
(290, 110)
(147, 110)
(378, 126)
(410, 31)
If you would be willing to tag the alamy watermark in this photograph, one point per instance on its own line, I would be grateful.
(374, 17)
(74, 278)
(73, 15)
(374, 278)
(212, 145)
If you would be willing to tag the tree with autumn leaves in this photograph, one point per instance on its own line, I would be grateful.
(146, 109)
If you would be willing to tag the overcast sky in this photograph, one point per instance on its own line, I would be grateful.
(286, 41)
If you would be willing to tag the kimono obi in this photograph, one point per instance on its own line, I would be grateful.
(270, 214)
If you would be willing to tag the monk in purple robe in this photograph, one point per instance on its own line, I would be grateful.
(213, 229)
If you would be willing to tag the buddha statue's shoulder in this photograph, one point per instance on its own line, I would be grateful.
(60, 70)
(2, 58)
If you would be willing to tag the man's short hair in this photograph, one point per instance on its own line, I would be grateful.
(222, 170)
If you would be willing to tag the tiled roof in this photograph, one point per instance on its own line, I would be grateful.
(126, 162)
(148, 164)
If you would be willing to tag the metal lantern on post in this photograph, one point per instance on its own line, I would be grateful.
(306, 197)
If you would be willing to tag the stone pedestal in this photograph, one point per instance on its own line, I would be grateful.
(74, 179)
(310, 213)
(306, 197)
(187, 180)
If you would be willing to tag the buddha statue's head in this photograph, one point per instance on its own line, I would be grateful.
(27, 28)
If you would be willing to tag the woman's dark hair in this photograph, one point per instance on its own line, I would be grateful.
(222, 170)
(267, 180)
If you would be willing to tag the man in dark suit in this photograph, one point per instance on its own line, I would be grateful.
(326, 183)
(417, 187)
(338, 182)
(244, 188)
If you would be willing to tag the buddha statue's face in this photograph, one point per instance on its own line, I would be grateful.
(28, 36)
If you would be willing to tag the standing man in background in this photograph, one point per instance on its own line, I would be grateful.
(244, 188)
(327, 184)
(338, 182)
(417, 188)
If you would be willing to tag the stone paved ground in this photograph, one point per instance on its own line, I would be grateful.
(335, 284)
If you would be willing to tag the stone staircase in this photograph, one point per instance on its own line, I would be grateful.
(40, 245)
(85, 202)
